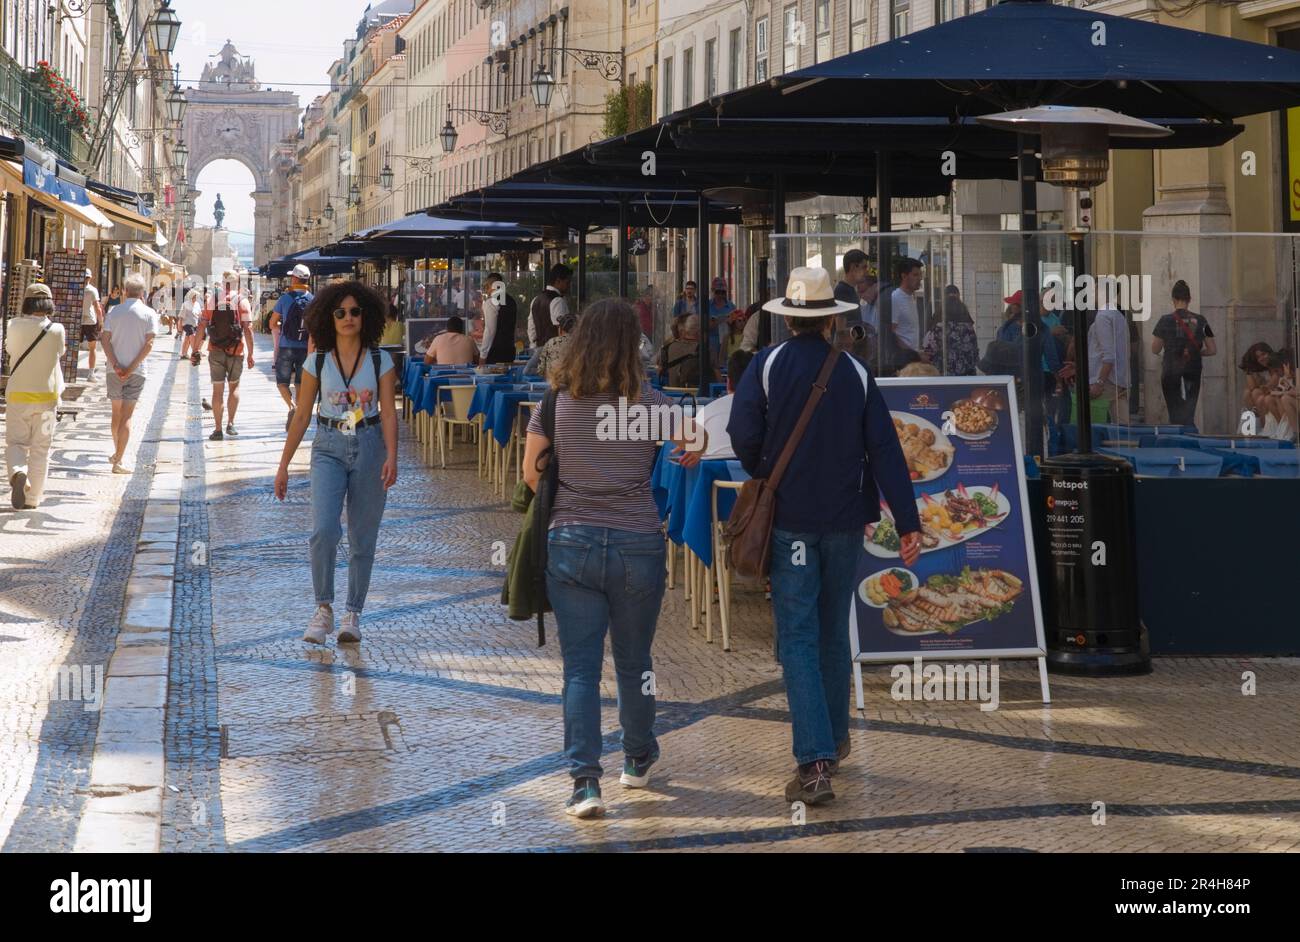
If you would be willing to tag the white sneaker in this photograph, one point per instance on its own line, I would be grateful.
(321, 625)
(349, 628)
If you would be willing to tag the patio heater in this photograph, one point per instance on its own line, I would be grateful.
(1090, 599)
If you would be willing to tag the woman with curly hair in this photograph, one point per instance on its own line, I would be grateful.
(354, 453)
(605, 554)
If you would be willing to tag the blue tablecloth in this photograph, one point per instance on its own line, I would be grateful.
(481, 404)
(1170, 462)
(1283, 463)
(1225, 442)
(1110, 430)
(684, 496)
(505, 411)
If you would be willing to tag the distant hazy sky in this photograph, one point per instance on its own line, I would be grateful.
(291, 42)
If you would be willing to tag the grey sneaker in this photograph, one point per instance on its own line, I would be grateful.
(350, 628)
(230, 430)
(811, 784)
(321, 625)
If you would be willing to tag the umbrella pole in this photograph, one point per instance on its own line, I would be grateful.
(781, 256)
(622, 247)
(884, 226)
(702, 298)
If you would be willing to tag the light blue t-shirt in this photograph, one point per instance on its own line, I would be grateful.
(338, 398)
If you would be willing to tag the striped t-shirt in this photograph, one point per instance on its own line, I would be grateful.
(604, 479)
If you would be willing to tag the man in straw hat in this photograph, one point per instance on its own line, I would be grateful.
(847, 459)
(34, 344)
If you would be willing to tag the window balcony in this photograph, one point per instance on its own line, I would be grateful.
(29, 109)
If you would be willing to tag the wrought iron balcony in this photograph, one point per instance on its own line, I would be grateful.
(28, 108)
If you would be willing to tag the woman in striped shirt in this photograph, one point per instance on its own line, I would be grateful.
(605, 568)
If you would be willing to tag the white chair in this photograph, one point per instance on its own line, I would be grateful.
(454, 414)
(721, 566)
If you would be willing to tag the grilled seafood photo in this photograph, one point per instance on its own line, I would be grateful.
(949, 518)
(948, 603)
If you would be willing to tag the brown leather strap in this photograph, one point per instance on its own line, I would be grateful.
(814, 397)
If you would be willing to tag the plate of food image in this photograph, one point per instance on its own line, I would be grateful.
(880, 587)
(971, 420)
(945, 604)
(947, 518)
(928, 451)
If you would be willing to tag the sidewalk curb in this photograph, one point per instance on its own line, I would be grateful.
(124, 811)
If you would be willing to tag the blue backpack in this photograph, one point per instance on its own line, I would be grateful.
(293, 326)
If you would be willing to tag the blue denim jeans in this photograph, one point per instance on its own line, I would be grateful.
(346, 470)
(598, 579)
(812, 588)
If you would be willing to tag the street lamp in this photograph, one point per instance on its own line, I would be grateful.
(165, 28)
(448, 137)
(176, 104)
(386, 177)
(543, 86)
(329, 212)
(354, 194)
(181, 153)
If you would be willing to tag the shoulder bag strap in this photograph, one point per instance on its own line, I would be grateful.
(320, 375)
(39, 337)
(814, 397)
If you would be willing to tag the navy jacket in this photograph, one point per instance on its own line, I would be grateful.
(849, 455)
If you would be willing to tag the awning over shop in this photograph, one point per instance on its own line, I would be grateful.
(151, 257)
(128, 225)
(312, 258)
(59, 195)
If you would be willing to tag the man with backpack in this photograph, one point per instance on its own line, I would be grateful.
(35, 346)
(227, 325)
(290, 317)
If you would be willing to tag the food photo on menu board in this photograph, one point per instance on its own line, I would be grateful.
(973, 587)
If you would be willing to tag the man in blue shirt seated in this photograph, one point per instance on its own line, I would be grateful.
(848, 457)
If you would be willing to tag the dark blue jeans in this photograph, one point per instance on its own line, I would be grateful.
(600, 579)
(812, 589)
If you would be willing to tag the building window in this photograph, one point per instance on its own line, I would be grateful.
(760, 50)
(733, 61)
(710, 68)
(666, 106)
(822, 25)
(789, 47)
(945, 10)
(900, 18)
(688, 76)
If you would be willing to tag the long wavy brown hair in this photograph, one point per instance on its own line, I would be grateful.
(603, 355)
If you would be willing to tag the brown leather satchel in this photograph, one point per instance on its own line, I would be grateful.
(748, 531)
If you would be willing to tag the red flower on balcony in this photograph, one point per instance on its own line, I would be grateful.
(67, 104)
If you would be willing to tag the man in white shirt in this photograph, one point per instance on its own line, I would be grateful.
(92, 319)
(129, 331)
(903, 308)
(35, 346)
(714, 416)
(1108, 360)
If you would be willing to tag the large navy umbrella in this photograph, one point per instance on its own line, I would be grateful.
(422, 225)
(1025, 53)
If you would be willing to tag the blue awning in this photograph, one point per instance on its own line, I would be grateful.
(1028, 52)
(421, 225)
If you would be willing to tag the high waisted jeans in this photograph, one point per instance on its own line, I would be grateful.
(598, 579)
(346, 469)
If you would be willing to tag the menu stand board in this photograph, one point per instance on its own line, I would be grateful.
(65, 273)
(973, 592)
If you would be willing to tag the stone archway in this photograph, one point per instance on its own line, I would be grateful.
(230, 116)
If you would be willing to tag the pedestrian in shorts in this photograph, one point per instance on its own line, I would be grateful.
(129, 331)
(227, 326)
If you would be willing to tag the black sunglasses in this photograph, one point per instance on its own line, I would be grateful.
(347, 312)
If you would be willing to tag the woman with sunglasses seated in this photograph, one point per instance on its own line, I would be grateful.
(354, 453)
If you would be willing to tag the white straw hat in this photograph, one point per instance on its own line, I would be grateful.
(808, 293)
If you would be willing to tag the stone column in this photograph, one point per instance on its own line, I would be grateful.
(261, 225)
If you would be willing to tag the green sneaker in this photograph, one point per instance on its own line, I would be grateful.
(585, 801)
(636, 771)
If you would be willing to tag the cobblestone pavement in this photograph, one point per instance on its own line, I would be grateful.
(442, 730)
